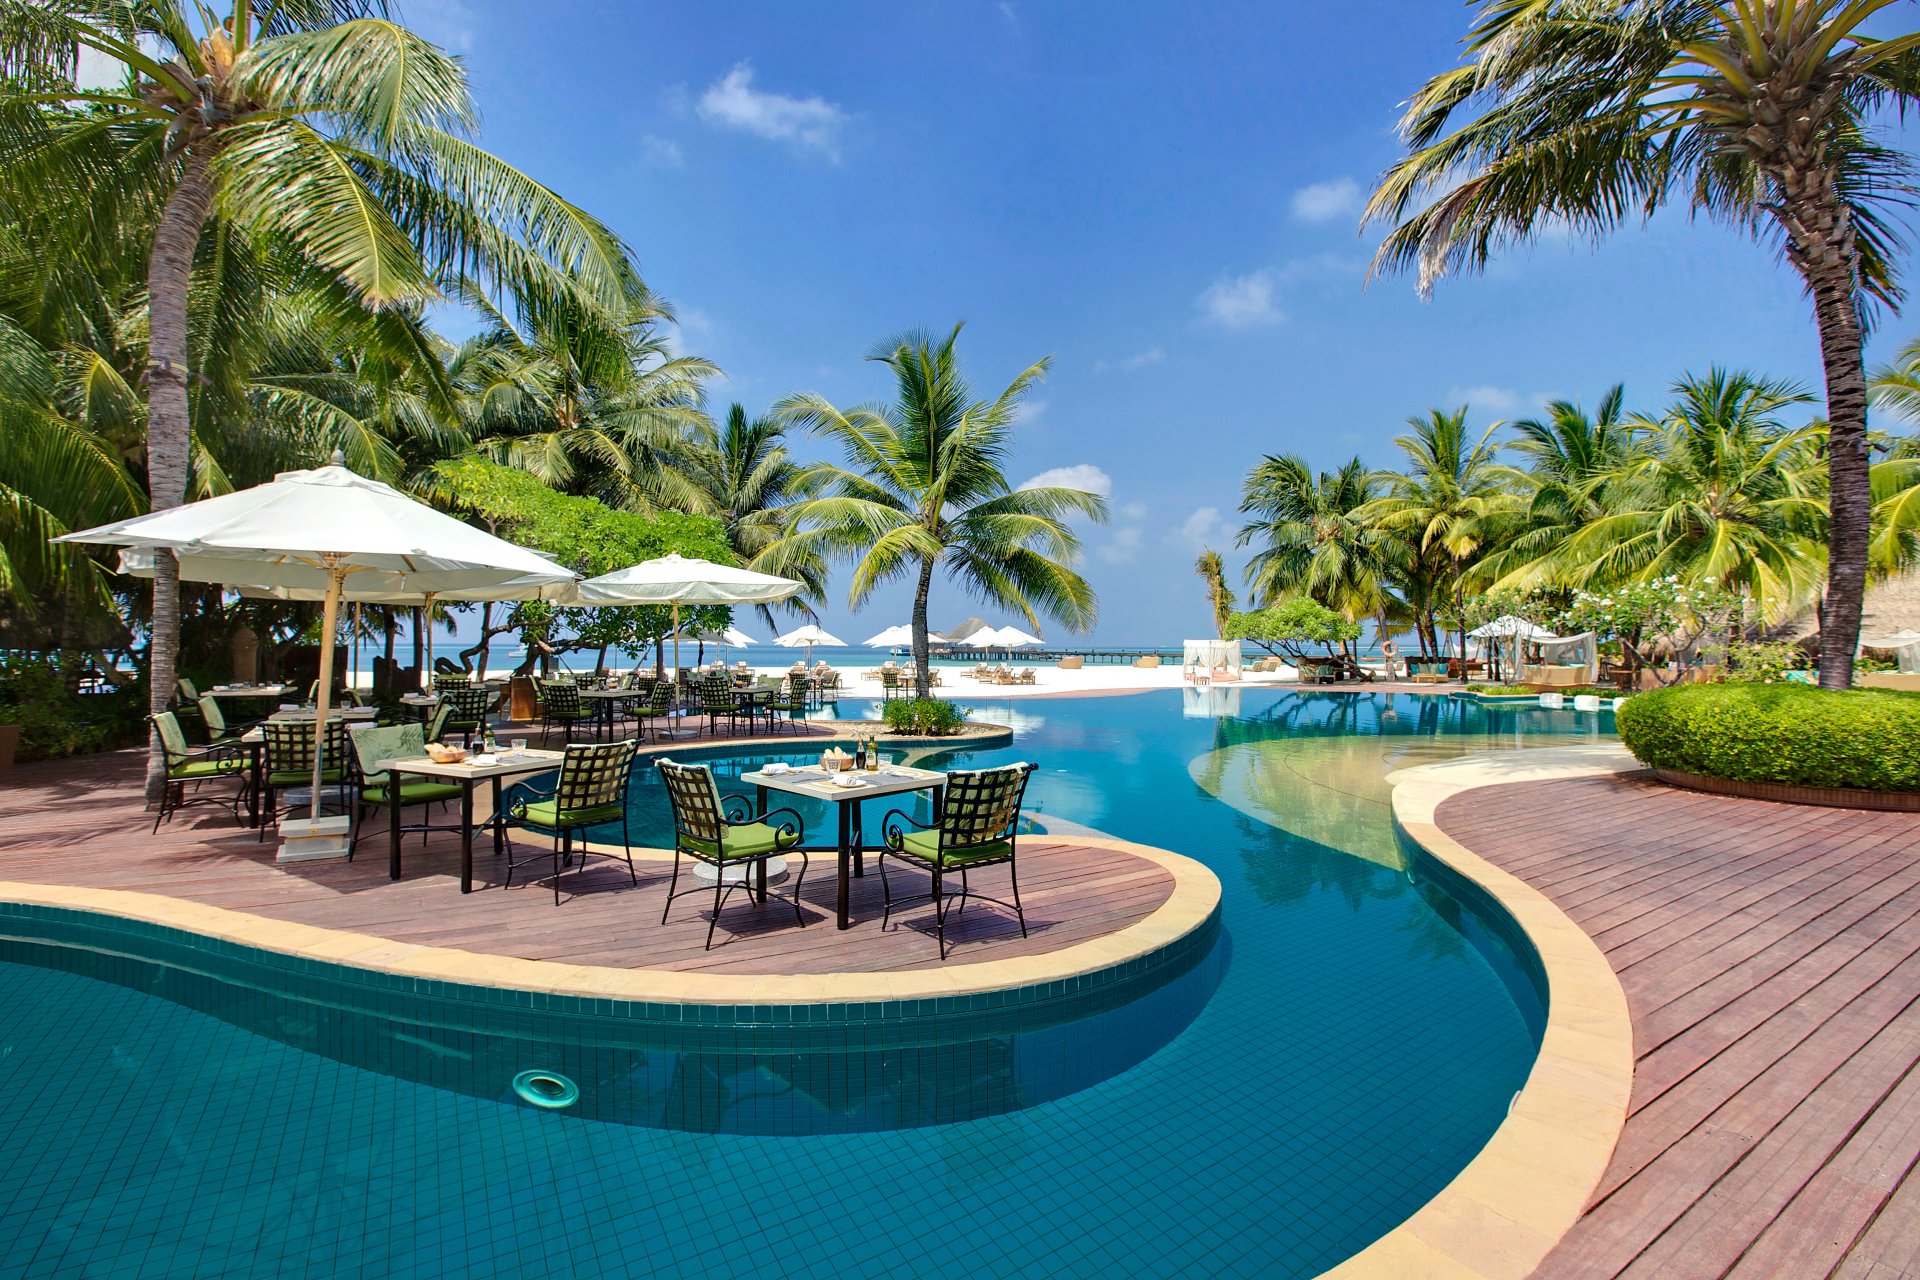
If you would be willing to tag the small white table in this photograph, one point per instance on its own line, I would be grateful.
(510, 764)
(815, 784)
(246, 691)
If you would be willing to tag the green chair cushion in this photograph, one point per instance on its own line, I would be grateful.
(577, 713)
(543, 813)
(412, 793)
(748, 840)
(293, 778)
(926, 844)
(192, 770)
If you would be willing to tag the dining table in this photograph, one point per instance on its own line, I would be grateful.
(606, 707)
(467, 774)
(845, 790)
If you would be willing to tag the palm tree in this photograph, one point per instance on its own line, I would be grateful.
(1449, 506)
(1758, 112)
(923, 487)
(588, 398)
(337, 136)
(1213, 571)
(1572, 458)
(743, 475)
(1723, 494)
(1311, 541)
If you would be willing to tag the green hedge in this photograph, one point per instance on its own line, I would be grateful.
(933, 717)
(1794, 733)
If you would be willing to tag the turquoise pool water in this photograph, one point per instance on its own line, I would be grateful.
(1265, 1108)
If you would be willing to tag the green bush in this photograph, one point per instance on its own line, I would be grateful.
(1793, 733)
(39, 695)
(934, 717)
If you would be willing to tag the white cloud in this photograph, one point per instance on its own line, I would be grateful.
(1485, 398)
(1134, 511)
(1202, 528)
(807, 124)
(1029, 410)
(448, 23)
(1138, 360)
(661, 151)
(1083, 475)
(1326, 201)
(1122, 545)
(1240, 302)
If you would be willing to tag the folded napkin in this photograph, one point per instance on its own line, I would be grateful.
(484, 761)
(849, 780)
(777, 767)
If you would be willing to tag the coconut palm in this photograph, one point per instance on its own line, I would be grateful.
(1723, 494)
(1572, 458)
(1449, 506)
(588, 398)
(316, 125)
(1762, 113)
(923, 487)
(743, 475)
(1311, 541)
(1213, 571)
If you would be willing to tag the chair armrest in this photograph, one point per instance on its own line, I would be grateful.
(894, 827)
(797, 828)
(517, 796)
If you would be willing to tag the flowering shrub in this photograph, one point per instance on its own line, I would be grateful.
(1644, 615)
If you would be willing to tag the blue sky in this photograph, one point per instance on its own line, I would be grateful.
(1163, 198)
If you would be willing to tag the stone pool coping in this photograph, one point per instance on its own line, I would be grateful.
(1527, 1187)
(1192, 905)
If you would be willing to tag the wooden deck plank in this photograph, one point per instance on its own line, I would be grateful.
(1771, 958)
(80, 823)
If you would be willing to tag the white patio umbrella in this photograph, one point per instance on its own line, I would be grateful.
(731, 637)
(891, 638)
(373, 587)
(809, 636)
(987, 638)
(676, 580)
(1014, 638)
(337, 525)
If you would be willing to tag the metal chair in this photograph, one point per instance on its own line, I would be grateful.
(716, 700)
(375, 743)
(590, 791)
(977, 828)
(289, 763)
(469, 707)
(186, 765)
(723, 832)
(660, 702)
(562, 705)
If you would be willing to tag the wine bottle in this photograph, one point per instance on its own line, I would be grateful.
(860, 753)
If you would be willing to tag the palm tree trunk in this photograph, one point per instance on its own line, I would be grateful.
(920, 682)
(1849, 494)
(1822, 246)
(169, 425)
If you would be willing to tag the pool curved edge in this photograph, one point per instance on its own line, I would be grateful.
(1504, 1212)
(1191, 907)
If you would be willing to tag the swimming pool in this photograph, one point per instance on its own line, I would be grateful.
(1346, 1045)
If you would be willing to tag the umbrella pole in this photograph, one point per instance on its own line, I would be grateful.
(356, 646)
(426, 621)
(330, 621)
(676, 640)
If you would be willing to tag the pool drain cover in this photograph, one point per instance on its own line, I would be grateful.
(547, 1089)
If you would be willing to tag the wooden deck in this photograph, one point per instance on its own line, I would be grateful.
(1770, 954)
(80, 823)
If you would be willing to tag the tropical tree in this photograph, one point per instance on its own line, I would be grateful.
(316, 125)
(1724, 495)
(922, 487)
(1448, 506)
(588, 398)
(1761, 113)
(743, 475)
(1571, 460)
(1213, 571)
(1311, 540)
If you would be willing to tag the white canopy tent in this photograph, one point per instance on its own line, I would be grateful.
(1905, 644)
(1211, 659)
(1513, 629)
(676, 580)
(332, 523)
